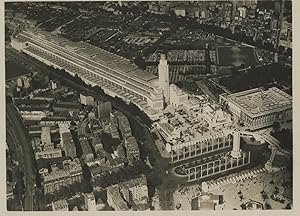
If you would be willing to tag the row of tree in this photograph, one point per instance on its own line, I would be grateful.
(285, 137)
(256, 77)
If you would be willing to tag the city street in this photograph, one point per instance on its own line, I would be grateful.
(19, 136)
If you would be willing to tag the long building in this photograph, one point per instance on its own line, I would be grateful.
(87, 153)
(46, 136)
(124, 125)
(117, 76)
(48, 153)
(68, 145)
(258, 108)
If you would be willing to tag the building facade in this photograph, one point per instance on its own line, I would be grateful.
(87, 100)
(71, 173)
(104, 110)
(200, 146)
(138, 189)
(50, 153)
(177, 96)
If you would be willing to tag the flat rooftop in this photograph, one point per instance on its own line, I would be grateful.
(96, 54)
(257, 102)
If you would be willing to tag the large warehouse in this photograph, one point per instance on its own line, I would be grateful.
(258, 108)
(116, 75)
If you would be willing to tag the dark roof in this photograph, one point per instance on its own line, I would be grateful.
(38, 128)
(67, 105)
(34, 128)
(58, 118)
(30, 101)
(43, 163)
(31, 122)
(35, 107)
(84, 93)
(61, 113)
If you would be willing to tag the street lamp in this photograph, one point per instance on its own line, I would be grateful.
(272, 181)
(240, 192)
(263, 191)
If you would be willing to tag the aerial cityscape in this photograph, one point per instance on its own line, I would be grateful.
(149, 105)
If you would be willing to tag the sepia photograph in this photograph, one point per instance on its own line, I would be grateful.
(148, 105)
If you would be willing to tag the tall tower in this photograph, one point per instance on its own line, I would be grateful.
(163, 76)
(236, 152)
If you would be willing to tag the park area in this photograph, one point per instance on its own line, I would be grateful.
(236, 56)
(274, 74)
(13, 70)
